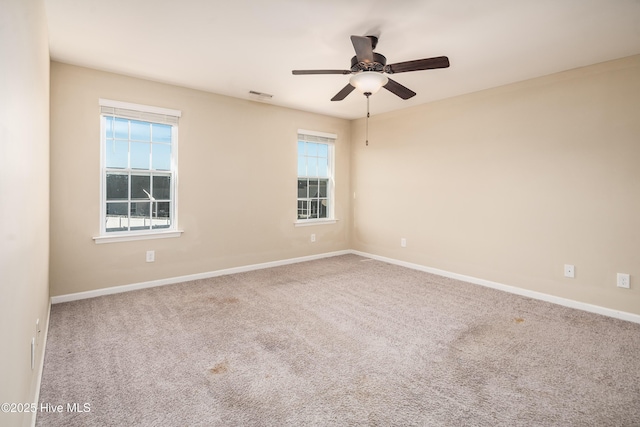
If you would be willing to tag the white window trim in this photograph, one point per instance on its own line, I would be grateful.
(315, 221)
(316, 133)
(332, 184)
(145, 113)
(139, 107)
(131, 236)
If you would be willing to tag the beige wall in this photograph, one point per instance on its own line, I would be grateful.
(24, 199)
(510, 184)
(506, 185)
(236, 187)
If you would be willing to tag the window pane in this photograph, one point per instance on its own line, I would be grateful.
(312, 166)
(302, 188)
(161, 133)
(302, 166)
(301, 148)
(323, 167)
(303, 209)
(117, 153)
(161, 157)
(121, 128)
(140, 215)
(117, 187)
(161, 215)
(108, 127)
(140, 155)
(312, 149)
(313, 188)
(322, 192)
(140, 131)
(161, 210)
(314, 209)
(162, 187)
(322, 208)
(117, 217)
(140, 187)
(323, 150)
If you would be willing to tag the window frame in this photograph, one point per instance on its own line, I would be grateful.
(328, 139)
(149, 114)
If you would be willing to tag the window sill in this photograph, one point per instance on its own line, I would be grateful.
(140, 236)
(307, 222)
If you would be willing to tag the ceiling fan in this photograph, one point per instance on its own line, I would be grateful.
(368, 69)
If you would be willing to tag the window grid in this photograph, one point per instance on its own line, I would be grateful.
(314, 178)
(150, 182)
(137, 213)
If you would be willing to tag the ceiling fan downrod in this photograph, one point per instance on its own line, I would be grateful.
(367, 94)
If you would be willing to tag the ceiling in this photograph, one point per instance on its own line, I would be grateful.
(233, 47)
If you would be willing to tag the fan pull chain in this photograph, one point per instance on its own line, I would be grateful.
(367, 126)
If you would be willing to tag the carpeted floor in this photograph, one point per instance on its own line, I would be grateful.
(342, 341)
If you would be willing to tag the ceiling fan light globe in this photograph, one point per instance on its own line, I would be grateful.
(368, 81)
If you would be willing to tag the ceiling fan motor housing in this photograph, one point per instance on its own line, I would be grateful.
(379, 61)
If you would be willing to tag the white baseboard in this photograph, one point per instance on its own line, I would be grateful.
(172, 280)
(623, 315)
(36, 398)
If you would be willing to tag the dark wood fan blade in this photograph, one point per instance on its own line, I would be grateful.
(363, 48)
(418, 64)
(303, 72)
(396, 88)
(343, 93)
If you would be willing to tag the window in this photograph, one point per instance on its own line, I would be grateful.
(315, 176)
(139, 168)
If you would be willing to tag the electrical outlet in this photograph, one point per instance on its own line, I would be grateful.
(313, 238)
(623, 280)
(403, 242)
(569, 271)
(151, 256)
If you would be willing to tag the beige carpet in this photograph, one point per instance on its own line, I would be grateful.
(343, 341)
